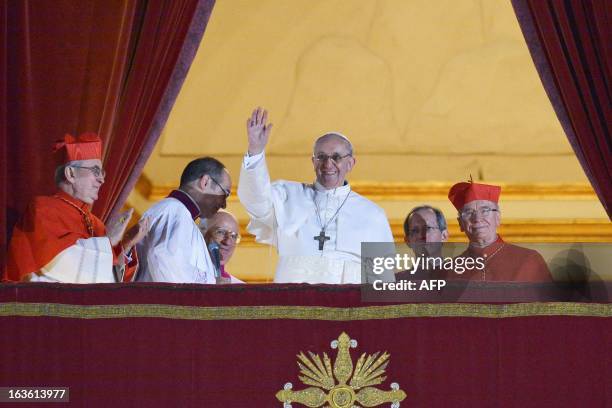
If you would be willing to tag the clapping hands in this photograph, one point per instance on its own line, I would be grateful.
(116, 231)
(135, 234)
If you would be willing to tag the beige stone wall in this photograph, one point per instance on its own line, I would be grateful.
(428, 91)
(443, 84)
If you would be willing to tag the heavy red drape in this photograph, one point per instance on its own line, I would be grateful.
(148, 345)
(60, 78)
(163, 49)
(108, 66)
(3, 129)
(569, 41)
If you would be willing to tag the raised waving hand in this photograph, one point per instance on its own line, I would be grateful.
(258, 131)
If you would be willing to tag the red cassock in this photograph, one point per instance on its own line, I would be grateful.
(50, 225)
(505, 262)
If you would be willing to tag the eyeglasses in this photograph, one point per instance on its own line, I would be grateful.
(336, 157)
(483, 212)
(221, 234)
(417, 231)
(97, 171)
(226, 192)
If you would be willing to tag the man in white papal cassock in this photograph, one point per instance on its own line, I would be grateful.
(317, 228)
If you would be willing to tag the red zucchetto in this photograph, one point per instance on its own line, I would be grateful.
(462, 193)
(87, 146)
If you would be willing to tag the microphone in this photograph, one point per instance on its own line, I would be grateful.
(213, 248)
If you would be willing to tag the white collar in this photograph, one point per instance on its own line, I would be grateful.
(343, 190)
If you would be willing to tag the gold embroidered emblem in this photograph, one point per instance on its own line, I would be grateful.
(318, 372)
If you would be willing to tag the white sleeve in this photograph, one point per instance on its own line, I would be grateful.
(255, 194)
(176, 252)
(390, 250)
(382, 245)
(251, 161)
(87, 261)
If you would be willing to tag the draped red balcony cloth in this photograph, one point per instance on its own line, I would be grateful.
(160, 345)
(67, 66)
(569, 42)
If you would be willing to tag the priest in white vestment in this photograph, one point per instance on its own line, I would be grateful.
(317, 228)
(174, 249)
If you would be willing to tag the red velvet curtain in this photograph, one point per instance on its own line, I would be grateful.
(3, 129)
(108, 66)
(209, 346)
(569, 41)
(163, 47)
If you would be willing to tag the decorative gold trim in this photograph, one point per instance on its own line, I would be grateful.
(554, 231)
(160, 192)
(434, 191)
(341, 393)
(513, 230)
(516, 230)
(305, 312)
(438, 191)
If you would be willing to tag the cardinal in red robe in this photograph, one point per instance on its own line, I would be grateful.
(479, 218)
(58, 239)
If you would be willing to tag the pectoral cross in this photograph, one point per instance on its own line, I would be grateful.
(321, 238)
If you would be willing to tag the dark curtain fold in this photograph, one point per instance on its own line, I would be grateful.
(63, 70)
(569, 41)
(3, 129)
(109, 66)
(166, 43)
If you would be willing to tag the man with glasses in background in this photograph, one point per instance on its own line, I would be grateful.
(58, 239)
(425, 231)
(223, 229)
(174, 250)
(425, 225)
(479, 218)
(317, 228)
